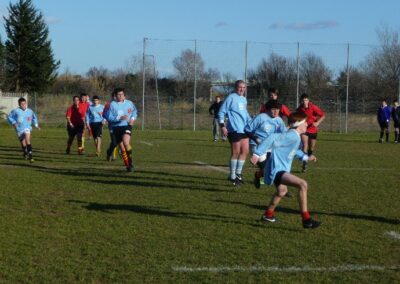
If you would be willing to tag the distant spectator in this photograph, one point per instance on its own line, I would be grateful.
(383, 117)
(213, 110)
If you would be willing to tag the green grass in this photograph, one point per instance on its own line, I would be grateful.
(82, 219)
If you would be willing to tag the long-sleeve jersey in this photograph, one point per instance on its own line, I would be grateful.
(384, 114)
(22, 119)
(312, 112)
(285, 146)
(95, 113)
(214, 108)
(235, 109)
(76, 116)
(396, 114)
(261, 126)
(119, 109)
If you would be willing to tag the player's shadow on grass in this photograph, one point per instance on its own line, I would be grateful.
(163, 212)
(349, 140)
(342, 215)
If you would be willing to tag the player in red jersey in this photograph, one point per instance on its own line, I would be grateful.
(84, 105)
(273, 96)
(315, 116)
(75, 125)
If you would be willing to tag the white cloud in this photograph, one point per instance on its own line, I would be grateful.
(302, 26)
(221, 24)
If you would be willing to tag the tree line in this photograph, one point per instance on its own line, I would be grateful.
(27, 64)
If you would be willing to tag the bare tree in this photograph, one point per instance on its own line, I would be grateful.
(314, 74)
(184, 66)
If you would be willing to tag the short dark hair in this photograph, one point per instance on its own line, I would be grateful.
(395, 101)
(20, 100)
(296, 116)
(304, 96)
(95, 98)
(82, 95)
(117, 90)
(272, 90)
(272, 104)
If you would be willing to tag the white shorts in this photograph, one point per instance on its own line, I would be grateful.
(21, 134)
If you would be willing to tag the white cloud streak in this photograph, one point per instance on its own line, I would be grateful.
(302, 26)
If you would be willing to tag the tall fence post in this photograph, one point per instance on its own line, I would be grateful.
(347, 87)
(245, 62)
(195, 85)
(298, 75)
(144, 79)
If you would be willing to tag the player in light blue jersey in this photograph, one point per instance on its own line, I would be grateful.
(22, 118)
(234, 109)
(122, 114)
(95, 122)
(285, 147)
(259, 128)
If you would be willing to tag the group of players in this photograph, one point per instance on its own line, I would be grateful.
(119, 113)
(273, 146)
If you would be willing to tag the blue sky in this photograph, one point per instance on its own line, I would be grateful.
(87, 33)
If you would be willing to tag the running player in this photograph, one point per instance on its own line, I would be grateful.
(95, 121)
(259, 128)
(235, 109)
(315, 116)
(113, 147)
(75, 125)
(285, 147)
(21, 118)
(122, 113)
(84, 105)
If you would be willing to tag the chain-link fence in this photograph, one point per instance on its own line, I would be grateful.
(179, 80)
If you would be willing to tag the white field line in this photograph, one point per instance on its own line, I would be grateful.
(289, 269)
(146, 143)
(393, 234)
(211, 167)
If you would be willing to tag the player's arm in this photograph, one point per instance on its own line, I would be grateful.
(222, 113)
(320, 114)
(12, 119)
(263, 147)
(250, 129)
(133, 115)
(35, 120)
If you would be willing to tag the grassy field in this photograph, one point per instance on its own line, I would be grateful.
(176, 219)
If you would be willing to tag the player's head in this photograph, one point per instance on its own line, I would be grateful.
(83, 97)
(217, 99)
(75, 100)
(120, 94)
(96, 100)
(396, 103)
(272, 108)
(22, 103)
(383, 102)
(273, 93)
(304, 100)
(240, 87)
(298, 120)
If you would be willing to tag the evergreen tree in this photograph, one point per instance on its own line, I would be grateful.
(30, 64)
(2, 60)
